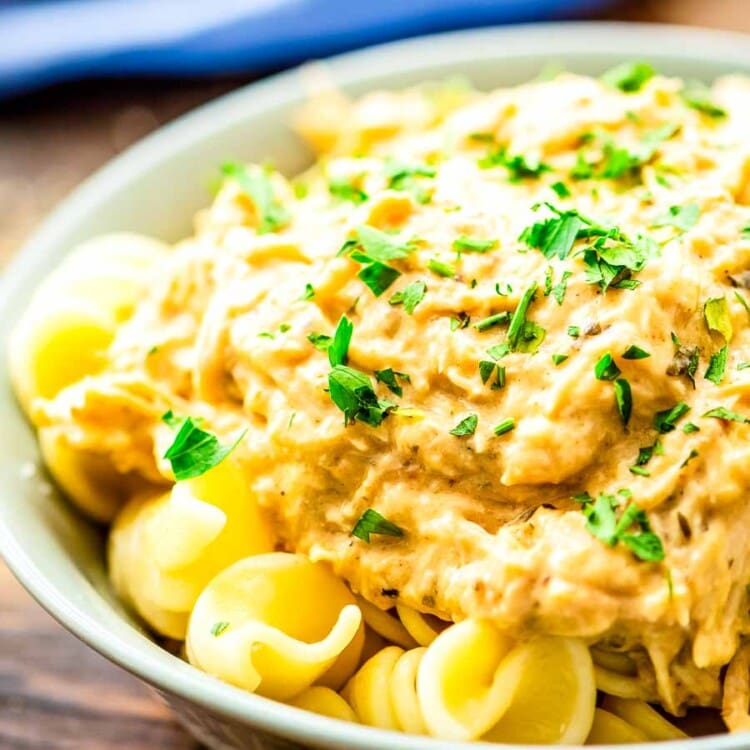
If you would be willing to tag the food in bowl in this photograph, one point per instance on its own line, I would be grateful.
(446, 435)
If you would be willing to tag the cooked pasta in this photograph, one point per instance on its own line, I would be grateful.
(449, 434)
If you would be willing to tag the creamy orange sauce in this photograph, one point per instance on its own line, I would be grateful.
(490, 526)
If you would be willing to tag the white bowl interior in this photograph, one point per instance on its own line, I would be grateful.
(155, 188)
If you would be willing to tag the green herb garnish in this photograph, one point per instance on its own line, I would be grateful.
(623, 399)
(697, 96)
(344, 189)
(371, 522)
(524, 335)
(467, 244)
(558, 359)
(717, 365)
(635, 352)
(338, 350)
(410, 296)
(441, 269)
(680, 217)
(257, 185)
(716, 315)
(505, 426)
(388, 378)
(629, 76)
(665, 421)
(218, 628)
(194, 450)
(352, 392)
(721, 412)
(606, 369)
(467, 426)
(498, 319)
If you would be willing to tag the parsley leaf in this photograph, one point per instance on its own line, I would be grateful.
(716, 315)
(218, 628)
(352, 392)
(632, 528)
(371, 522)
(721, 412)
(574, 331)
(518, 166)
(441, 269)
(388, 378)
(555, 235)
(466, 426)
(623, 399)
(403, 176)
(697, 96)
(558, 359)
(345, 189)
(338, 350)
(629, 77)
(606, 369)
(635, 352)
(524, 335)
(612, 259)
(410, 296)
(486, 368)
(742, 301)
(560, 189)
(194, 450)
(256, 184)
(717, 365)
(464, 243)
(320, 341)
(378, 277)
(680, 217)
(505, 426)
(665, 421)
(308, 294)
(493, 320)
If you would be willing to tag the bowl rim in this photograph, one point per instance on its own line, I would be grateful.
(545, 40)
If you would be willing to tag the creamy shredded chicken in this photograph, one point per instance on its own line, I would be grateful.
(490, 525)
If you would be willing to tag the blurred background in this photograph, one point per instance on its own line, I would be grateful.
(81, 80)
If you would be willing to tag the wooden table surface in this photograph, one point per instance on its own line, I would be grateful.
(56, 694)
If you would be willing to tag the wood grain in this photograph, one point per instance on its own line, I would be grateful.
(55, 693)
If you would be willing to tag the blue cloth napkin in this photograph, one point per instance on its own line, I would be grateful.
(47, 42)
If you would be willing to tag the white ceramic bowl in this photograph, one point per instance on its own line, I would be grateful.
(155, 188)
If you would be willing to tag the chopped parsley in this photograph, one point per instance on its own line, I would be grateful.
(320, 341)
(632, 528)
(441, 269)
(467, 244)
(612, 259)
(689, 427)
(680, 217)
(487, 368)
(467, 426)
(606, 369)
(257, 185)
(560, 189)
(505, 426)
(721, 412)
(635, 352)
(388, 378)
(665, 421)
(402, 176)
(410, 296)
(519, 166)
(742, 301)
(558, 359)
(498, 319)
(194, 450)
(644, 456)
(623, 399)
(371, 522)
(218, 628)
(629, 76)
(555, 235)
(308, 294)
(693, 454)
(338, 349)
(462, 321)
(352, 392)
(574, 331)
(524, 335)
(717, 365)
(345, 189)
(697, 96)
(716, 315)
(375, 249)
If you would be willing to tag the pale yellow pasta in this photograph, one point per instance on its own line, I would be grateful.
(322, 700)
(71, 319)
(608, 729)
(613, 661)
(475, 683)
(386, 625)
(165, 548)
(621, 685)
(459, 690)
(275, 624)
(383, 692)
(422, 628)
(640, 715)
